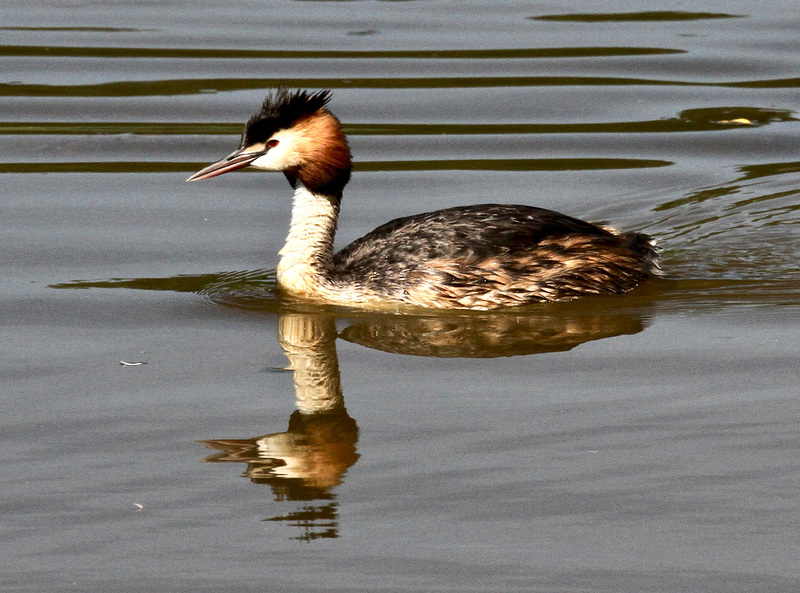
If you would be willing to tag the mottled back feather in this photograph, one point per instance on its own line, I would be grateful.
(494, 255)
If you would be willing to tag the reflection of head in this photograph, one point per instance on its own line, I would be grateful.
(324, 448)
(302, 463)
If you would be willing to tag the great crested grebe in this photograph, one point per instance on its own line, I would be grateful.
(469, 257)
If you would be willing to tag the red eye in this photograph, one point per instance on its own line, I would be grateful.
(272, 143)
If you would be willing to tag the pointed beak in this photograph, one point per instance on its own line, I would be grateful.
(236, 160)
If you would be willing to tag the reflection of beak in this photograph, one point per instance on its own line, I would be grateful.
(235, 160)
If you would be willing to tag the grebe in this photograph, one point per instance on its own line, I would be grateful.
(470, 257)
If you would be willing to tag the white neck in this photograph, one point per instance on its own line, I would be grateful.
(307, 256)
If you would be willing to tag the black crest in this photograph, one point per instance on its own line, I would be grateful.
(281, 110)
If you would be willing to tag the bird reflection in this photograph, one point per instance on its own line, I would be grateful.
(307, 461)
(310, 458)
(490, 335)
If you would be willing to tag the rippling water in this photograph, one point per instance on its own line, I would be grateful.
(645, 442)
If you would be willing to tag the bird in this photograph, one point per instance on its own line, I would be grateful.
(479, 257)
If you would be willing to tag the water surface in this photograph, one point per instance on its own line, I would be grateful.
(643, 442)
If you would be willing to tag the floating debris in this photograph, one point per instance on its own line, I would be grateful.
(131, 364)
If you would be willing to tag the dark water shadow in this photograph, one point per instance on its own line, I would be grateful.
(200, 86)
(642, 16)
(51, 51)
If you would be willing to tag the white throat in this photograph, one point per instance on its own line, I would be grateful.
(307, 256)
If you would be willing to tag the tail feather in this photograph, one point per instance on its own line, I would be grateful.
(645, 247)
